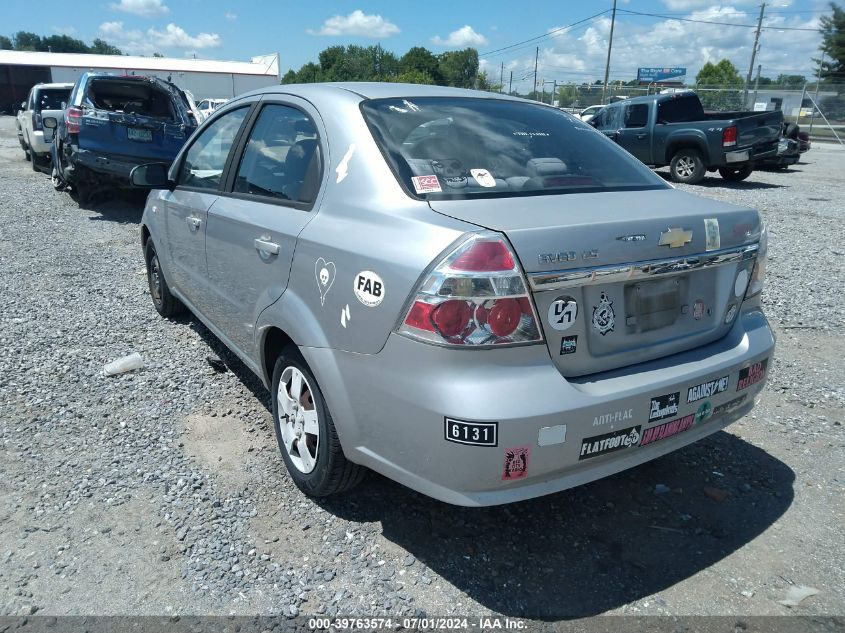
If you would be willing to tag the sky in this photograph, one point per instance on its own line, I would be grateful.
(572, 36)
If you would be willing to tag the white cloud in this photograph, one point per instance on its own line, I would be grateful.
(153, 40)
(231, 16)
(357, 23)
(463, 37)
(64, 30)
(144, 8)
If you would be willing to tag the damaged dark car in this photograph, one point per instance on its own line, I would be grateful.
(113, 123)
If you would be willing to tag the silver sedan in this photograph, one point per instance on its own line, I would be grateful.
(477, 296)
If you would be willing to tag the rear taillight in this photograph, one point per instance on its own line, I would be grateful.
(729, 136)
(758, 275)
(475, 296)
(73, 119)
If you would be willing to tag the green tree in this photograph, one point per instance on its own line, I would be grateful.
(289, 77)
(63, 44)
(101, 47)
(833, 44)
(791, 81)
(414, 76)
(421, 60)
(26, 41)
(459, 68)
(719, 86)
(567, 96)
(6, 43)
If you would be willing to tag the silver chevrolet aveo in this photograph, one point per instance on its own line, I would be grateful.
(477, 296)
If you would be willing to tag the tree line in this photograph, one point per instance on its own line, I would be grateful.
(26, 41)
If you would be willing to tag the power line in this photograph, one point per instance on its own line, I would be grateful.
(545, 35)
(746, 26)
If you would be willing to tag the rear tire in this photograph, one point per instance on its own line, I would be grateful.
(735, 174)
(305, 431)
(164, 302)
(687, 166)
(56, 179)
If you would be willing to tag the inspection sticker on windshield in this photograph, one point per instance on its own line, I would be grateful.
(426, 184)
(483, 177)
(713, 240)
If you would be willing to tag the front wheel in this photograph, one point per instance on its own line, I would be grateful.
(735, 174)
(164, 302)
(305, 431)
(687, 167)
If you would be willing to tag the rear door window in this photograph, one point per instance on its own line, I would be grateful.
(206, 157)
(680, 110)
(636, 115)
(51, 98)
(281, 156)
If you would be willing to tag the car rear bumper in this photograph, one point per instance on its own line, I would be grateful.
(390, 410)
(115, 166)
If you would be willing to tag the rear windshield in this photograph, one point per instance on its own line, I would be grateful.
(680, 110)
(464, 148)
(132, 97)
(51, 98)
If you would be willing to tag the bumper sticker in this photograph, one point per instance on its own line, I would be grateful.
(568, 345)
(707, 389)
(713, 240)
(663, 407)
(726, 408)
(704, 412)
(609, 442)
(604, 318)
(563, 313)
(516, 463)
(752, 375)
(369, 288)
(473, 433)
(667, 429)
(426, 184)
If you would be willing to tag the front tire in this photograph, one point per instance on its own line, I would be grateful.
(305, 431)
(687, 167)
(735, 174)
(164, 302)
(56, 179)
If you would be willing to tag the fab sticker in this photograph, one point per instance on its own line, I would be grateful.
(712, 238)
(483, 177)
(369, 288)
(325, 273)
(562, 313)
(604, 318)
(426, 184)
(751, 375)
(516, 463)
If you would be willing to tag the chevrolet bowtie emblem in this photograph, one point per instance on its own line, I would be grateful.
(675, 238)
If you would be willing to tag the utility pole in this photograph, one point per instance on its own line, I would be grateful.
(816, 100)
(757, 82)
(554, 91)
(536, 58)
(753, 56)
(502, 78)
(543, 93)
(609, 46)
(510, 84)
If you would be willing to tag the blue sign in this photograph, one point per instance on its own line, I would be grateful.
(656, 75)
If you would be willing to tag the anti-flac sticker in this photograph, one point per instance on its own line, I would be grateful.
(369, 288)
(426, 184)
(609, 442)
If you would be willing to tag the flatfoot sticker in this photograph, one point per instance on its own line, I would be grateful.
(667, 429)
(426, 184)
(604, 319)
(516, 463)
(712, 239)
(483, 177)
(562, 313)
(707, 389)
(325, 273)
(568, 345)
(751, 375)
(724, 409)
(369, 288)
(663, 407)
(609, 442)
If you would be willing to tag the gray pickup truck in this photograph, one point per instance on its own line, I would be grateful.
(674, 130)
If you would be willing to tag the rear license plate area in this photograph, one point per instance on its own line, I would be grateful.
(653, 305)
(139, 134)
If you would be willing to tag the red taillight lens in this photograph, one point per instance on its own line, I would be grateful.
(475, 296)
(484, 257)
(729, 136)
(73, 119)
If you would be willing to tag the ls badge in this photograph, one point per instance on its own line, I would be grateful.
(675, 238)
(604, 319)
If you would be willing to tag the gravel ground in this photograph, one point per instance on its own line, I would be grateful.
(161, 491)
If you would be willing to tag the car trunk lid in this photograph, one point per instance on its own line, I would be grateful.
(624, 277)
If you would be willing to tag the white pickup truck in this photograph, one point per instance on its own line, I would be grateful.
(43, 100)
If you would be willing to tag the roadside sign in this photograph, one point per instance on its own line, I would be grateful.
(660, 75)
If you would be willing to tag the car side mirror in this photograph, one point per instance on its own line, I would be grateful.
(50, 122)
(23, 105)
(150, 176)
(593, 122)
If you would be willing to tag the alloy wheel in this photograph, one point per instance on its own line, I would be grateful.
(155, 279)
(298, 419)
(685, 167)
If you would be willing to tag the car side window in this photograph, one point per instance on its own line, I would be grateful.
(281, 158)
(611, 118)
(206, 157)
(636, 115)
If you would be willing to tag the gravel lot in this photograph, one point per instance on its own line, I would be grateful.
(161, 491)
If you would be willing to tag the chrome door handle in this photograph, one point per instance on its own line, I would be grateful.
(641, 136)
(193, 223)
(265, 247)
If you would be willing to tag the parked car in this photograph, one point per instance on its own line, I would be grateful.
(44, 100)
(113, 123)
(673, 129)
(207, 106)
(789, 148)
(505, 306)
(588, 113)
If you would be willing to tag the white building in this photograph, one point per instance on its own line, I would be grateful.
(204, 78)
